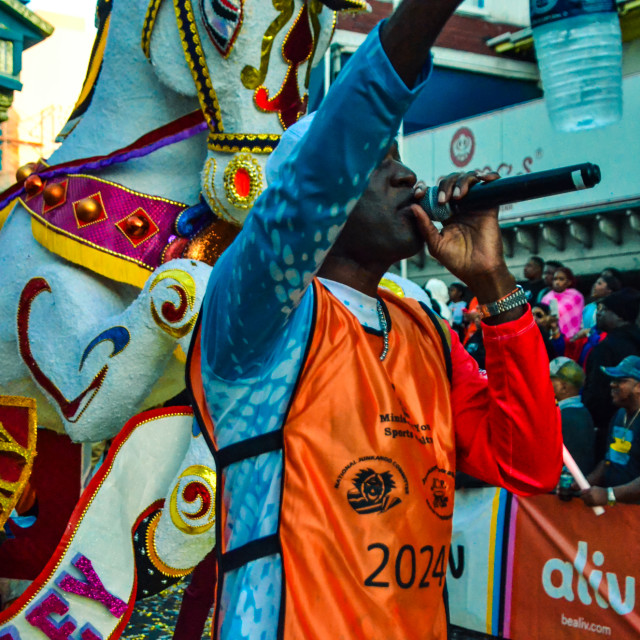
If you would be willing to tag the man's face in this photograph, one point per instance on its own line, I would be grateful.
(600, 289)
(560, 282)
(382, 224)
(455, 295)
(558, 387)
(547, 274)
(541, 318)
(624, 391)
(531, 270)
(606, 319)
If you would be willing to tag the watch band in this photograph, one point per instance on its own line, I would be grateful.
(515, 298)
(611, 496)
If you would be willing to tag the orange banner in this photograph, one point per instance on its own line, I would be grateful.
(573, 575)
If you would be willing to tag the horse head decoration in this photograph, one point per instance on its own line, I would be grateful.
(251, 64)
(106, 250)
(231, 70)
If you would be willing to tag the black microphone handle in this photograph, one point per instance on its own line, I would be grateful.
(486, 195)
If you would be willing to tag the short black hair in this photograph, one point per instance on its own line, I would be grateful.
(613, 282)
(459, 286)
(553, 263)
(538, 260)
(616, 273)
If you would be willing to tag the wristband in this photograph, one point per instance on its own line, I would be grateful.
(611, 497)
(512, 300)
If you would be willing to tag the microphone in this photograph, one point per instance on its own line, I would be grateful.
(487, 195)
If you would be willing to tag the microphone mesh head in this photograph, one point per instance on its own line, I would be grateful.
(436, 211)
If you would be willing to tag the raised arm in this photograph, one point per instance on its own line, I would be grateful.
(262, 277)
(507, 424)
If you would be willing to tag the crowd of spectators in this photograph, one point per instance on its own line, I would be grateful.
(593, 345)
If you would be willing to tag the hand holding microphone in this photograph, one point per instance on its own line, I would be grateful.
(469, 244)
(488, 195)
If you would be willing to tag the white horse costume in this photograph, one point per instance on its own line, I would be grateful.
(102, 263)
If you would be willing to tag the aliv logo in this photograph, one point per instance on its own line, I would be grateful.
(558, 582)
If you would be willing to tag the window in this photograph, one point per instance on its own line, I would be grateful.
(6, 57)
(474, 6)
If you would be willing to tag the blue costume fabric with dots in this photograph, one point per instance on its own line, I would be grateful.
(257, 314)
(257, 318)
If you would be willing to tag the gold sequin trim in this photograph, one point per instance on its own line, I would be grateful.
(207, 478)
(152, 552)
(149, 24)
(210, 168)
(187, 285)
(237, 142)
(247, 162)
(199, 71)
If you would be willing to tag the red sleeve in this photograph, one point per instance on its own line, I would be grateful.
(507, 423)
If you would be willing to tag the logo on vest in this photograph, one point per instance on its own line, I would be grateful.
(373, 486)
(440, 486)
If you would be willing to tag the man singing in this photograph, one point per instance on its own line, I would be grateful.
(340, 413)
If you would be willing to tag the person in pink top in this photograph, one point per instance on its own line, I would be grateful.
(569, 300)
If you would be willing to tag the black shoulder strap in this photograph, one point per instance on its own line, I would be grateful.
(445, 337)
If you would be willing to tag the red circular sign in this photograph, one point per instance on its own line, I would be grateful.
(463, 146)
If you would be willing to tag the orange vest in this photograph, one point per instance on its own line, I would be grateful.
(368, 482)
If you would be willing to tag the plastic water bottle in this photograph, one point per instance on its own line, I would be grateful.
(579, 49)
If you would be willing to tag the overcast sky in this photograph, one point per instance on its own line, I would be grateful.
(81, 8)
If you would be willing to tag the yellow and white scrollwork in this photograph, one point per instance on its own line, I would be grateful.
(192, 504)
(175, 319)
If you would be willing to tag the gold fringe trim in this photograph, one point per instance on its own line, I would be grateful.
(4, 214)
(101, 261)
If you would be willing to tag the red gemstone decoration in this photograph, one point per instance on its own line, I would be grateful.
(89, 210)
(33, 185)
(242, 183)
(138, 227)
(174, 250)
(55, 195)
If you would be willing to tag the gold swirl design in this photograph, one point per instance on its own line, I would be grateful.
(247, 162)
(198, 476)
(186, 289)
(154, 557)
(251, 77)
(76, 520)
(10, 492)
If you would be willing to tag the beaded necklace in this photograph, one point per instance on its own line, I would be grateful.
(385, 330)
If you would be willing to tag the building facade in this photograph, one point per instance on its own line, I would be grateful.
(484, 109)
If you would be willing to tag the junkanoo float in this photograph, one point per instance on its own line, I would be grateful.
(105, 252)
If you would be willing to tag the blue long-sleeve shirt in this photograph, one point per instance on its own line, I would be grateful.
(257, 313)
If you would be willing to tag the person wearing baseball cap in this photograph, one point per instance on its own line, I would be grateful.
(578, 431)
(617, 476)
(616, 315)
